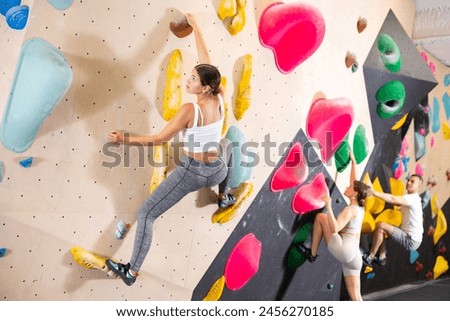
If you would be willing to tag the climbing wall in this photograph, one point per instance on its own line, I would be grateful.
(78, 187)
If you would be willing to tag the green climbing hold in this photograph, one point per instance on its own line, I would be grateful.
(330, 286)
(390, 53)
(391, 98)
(342, 156)
(295, 259)
(360, 144)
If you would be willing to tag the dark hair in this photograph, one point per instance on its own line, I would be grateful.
(209, 76)
(362, 191)
(417, 175)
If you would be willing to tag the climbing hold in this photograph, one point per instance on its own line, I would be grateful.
(361, 24)
(292, 172)
(223, 83)
(243, 164)
(172, 91)
(429, 275)
(160, 161)
(442, 250)
(180, 27)
(216, 290)
(440, 267)
(441, 227)
(17, 17)
(419, 146)
(61, 4)
(227, 9)
(342, 156)
(418, 170)
(26, 162)
(243, 262)
(398, 168)
(1, 171)
(90, 261)
(419, 267)
(390, 216)
(400, 123)
(328, 122)
(2, 252)
(397, 187)
(447, 80)
(41, 79)
(223, 215)
(368, 269)
(309, 196)
(435, 208)
(294, 258)
(350, 59)
(413, 256)
(330, 286)
(360, 144)
(370, 276)
(293, 31)
(391, 98)
(238, 21)
(243, 97)
(446, 131)
(436, 125)
(368, 224)
(121, 230)
(355, 67)
(5, 5)
(374, 205)
(390, 53)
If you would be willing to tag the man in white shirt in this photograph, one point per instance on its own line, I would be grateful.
(410, 232)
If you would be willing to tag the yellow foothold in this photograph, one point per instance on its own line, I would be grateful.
(160, 159)
(400, 123)
(223, 215)
(243, 97)
(440, 267)
(373, 204)
(172, 92)
(390, 216)
(434, 205)
(238, 21)
(227, 9)
(368, 269)
(216, 290)
(446, 131)
(441, 227)
(368, 224)
(88, 259)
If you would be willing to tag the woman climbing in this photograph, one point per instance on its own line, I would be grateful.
(342, 234)
(207, 159)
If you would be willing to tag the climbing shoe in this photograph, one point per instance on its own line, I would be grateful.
(306, 252)
(229, 200)
(367, 259)
(122, 270)
(379, 261)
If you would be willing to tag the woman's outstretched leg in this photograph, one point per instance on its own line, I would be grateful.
(226, 199)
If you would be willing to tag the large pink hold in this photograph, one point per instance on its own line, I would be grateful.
(328, 122)
(292, 31)
(292, 172)
(243, 262)
(418, 170)
(309, 196)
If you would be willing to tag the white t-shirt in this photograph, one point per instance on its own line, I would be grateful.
(412, 217)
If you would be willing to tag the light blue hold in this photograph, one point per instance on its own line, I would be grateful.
(42, 78)
(413, 256)
(436, 125)
(5, 5)
(447, 80)
(121, 230)
(370, 276)
(419, 145)
(17, 17)
(446, 102)
(2, 252)
(26, 162)
(1, 171)
(61, 4)
(242, 161)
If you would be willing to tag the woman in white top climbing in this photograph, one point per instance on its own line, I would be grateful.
(207, 161)
(342, 234)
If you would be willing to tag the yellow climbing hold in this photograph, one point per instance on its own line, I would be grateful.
(397, 187)
(216, 290)
(227, 9)
(223, 215)
(173, 92)
(441, 227)
(440, 267)
(88, 260)
(223, 83)
(160, 161)
(368, 224)
(446, 131)
(400, 123)
(374, 204)
(238, 21)
(368, 269)
(390, 216)
(435, 208)
(243, 97)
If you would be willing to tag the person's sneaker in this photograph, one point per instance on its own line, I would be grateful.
(306, 252)
(367, 259)
(381, 262)
(122, 270)
(230, 200)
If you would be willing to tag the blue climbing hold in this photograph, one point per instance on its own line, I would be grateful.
(446, 102)
(61, 4)
(413, 256)
(447, 80)
(436, 125)
(370, 276)
(5, 5)
(1, 171)
(2, 252)
(17, 17)
(242, 163)
(42, 78)
(121, 230)
(419, 145)
(26, 162)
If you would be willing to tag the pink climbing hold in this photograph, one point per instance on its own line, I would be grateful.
(405, 147)
(418, 170)
(432, 141)
(424, 56)
(243, 262)
(309, 196)
(292, 172)
(293, 31)
(328, 122)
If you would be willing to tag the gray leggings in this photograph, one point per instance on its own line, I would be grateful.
(190, 176)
